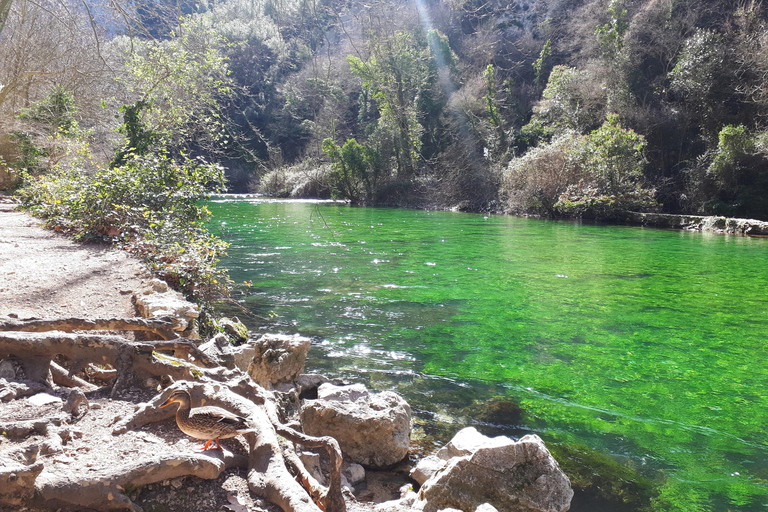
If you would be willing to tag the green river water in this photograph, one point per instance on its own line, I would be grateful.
(639, 355)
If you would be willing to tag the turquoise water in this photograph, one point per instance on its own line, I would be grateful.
(645, 346)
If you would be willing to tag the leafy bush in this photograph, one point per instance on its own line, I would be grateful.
(533, 182)
(304, 180)
(356, 172)
(149, 206)
(731, 180)
(595, 175)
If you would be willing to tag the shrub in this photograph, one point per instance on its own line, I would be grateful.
(149, 206)
(303, 180)
(595, 175)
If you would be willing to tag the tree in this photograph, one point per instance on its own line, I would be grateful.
(357, 170)
(394, 75)
(5, 8)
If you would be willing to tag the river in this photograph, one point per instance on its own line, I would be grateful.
(638, 355)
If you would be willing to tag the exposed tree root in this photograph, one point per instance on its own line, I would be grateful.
(135, 361)
(139, 364)
(105, 491)
(13, 390)
(61, 377)
(162, 326)
(17, 481)
(268, 476)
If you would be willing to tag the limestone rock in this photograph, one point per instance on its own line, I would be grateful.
(243, 355)
(158, 301)
(373, 429)
(512, 476)
(426, 468)
(219, 349)
(235, 330)
(403, 504)
(278, 358)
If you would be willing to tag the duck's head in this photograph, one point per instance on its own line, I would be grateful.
(180, 396)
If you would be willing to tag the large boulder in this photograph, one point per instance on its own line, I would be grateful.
(513, 476)
(373, 429)
(277, 358)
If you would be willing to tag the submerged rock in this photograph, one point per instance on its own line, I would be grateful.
(512, 476)
(373, 429)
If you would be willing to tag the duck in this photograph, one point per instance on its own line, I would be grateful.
(208, 422)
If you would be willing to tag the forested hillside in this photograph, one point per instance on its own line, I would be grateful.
(545, 107)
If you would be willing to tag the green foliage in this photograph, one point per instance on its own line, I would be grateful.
(57, 111)
(595, 175)
(140, 140)
(150, 206)
(611, 35)
(356, 170)
(180, 82)
(395, 74)
(698, 77)
(538, 64)
(732, 180)
(500, 145)
(734, 145)
(570, 101)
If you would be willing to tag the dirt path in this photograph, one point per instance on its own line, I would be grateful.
(44, 275)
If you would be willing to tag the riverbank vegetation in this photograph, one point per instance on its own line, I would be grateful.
(544, 107)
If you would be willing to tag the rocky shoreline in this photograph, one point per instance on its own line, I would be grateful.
(71, 431)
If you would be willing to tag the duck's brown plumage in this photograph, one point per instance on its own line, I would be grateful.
(208, 422)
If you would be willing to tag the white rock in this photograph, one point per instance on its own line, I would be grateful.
(351, 393)
(44, 399)
(426, 468)
(373, 430)
(512, 476)
(278, 358)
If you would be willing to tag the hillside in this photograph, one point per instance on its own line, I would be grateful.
(546, 107)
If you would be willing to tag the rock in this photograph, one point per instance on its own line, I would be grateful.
(41, 399)
(403, 504)
(219, 349)
(373, 430)
(311, 462)
(342, 393)
(278, 358)
(355, 473)
(512, 476)
(159, 301)
(466, 442)
(242, 355)
(426, 468)
(486, 507)
(235, 330)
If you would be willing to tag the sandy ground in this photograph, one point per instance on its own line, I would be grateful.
(45, 275)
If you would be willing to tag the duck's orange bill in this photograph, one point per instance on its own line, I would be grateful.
(167, 402)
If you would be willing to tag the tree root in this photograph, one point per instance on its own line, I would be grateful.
(161, 326)
(106, 491)
(135, 362)
(140, 364)
(17, 481)
(268, 476)
(13, 390)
